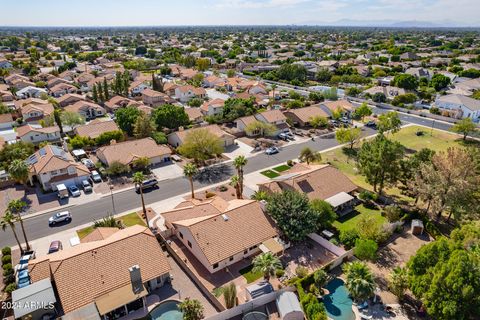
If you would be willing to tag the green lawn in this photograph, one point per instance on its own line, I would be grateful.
(350, 221)
(282, 168)
(249, 275)
(270, 174)
(128, 220)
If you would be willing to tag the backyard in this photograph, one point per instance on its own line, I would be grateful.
(350, 220)
(128, 220)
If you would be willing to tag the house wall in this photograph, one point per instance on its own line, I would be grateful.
(467, 113)
(174, 140)
(37, 137)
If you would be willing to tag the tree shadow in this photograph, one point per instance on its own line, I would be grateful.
(214, 174)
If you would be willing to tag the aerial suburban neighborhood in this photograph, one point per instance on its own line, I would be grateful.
(186, 169)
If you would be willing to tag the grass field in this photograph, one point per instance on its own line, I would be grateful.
(350, 221)
(128, 220)
(282, 168)
(270, 174)
(249, 275)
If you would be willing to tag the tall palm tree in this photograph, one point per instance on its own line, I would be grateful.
(192, 309)
(16, 207)
(308, 155)
(8, 221)
(274, 86)
(239, 163)
(138, 178)
(235, 182)
(267, 264)
(18, 171)
(190, 170)
(359, 280)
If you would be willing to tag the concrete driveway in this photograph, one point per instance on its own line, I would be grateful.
(238, 149)
(167, 171)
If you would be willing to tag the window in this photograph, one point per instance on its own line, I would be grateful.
(189, 243)
(252, 248)
(215, 266)
(245, 251)
(231, 258)
(180, 234)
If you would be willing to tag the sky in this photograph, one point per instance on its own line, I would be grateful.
(232, 12)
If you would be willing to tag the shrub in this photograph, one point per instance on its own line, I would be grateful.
(290, 163)
(10, 288)
(159, 137)
(6, 251)
(393, 213)
(209, 195)
(7, 266)
(6, 259)
(314, 310)
(365, 249)
(223, 188)
(367, 195)
(348, 237)
(301, 272)
(279, 273)
(7, 272)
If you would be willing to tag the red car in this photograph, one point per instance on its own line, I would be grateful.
(55, 246)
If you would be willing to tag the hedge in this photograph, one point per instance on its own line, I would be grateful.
(6, 259)
(6, 251)
(314, 309)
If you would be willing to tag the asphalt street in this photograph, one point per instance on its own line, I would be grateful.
(37, 227)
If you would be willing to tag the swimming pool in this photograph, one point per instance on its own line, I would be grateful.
(337, 302)
(167, 310)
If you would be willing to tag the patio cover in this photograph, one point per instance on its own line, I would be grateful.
(33, 297)
(117, 298)
(88, 312)
(271, 245)
(339, 199)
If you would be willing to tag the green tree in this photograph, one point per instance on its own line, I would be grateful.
(71, 119)
(143, 127)
(16, 207)
(126, 118)
(379, 161)
(260, 128)
(363, 111)
(106, 137)
(320, 278)
(405, 81)
(117, 168)
(18, 171)
(192, 309)
(366, 249)
(95, 94)
(359, 280)
(439, 81)
(141, 163)
(308, 155)
(398, 282)
(235, 182)
(8, 221)
(325, 213)
(349, 136)
(202, 64)
(138, 178)
(379, 97)
(170, 116)
(239, 163)
(19, 150)
(267, 264)
(106, 92)
(230, 295)
(318, 122)
(389, 121)
(189, 171)
(465, 127)
(200, 145)
(293, 214)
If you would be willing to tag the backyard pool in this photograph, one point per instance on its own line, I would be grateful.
(337, 302)
(167, 310)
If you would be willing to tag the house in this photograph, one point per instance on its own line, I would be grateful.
(389, 91)
(212, 107)
(6, 97)
(15, 78)
(70, 98)
(128, 151)
(154, 98)
(466, 88)
(420, 73)
(194, 115)
(30, 92)
(28, 133)
(219, 232)
(54, 81)
(301, 117)
(323, 182)
(106, 278)
(6, 121)
(340, 105)
(86, 109)
(5, 64)
(409, 56)
(118, 102)
(34, 112)
(51, 166)
(213, 81)
(95, 128)
(273, 117)
(137, 87)
(459, 106)
(62, 89)
(177, 138)
(188, 92)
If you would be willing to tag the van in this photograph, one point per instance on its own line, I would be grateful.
(62, 191)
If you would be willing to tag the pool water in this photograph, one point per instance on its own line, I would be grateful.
(167, 310)
(337, 302)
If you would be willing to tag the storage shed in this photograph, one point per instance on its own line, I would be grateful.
(289, 307)
(417, 227)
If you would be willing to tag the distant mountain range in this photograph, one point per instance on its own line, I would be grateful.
(390, 23)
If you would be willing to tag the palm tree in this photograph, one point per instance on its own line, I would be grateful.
(230, 295)
(308, 155)
(360, 282)
(190, 170)
(138, 178)
(274, 86)
(398, 282)
(192, 309)
(267, 264)
(239, 163)
(16, 207)
(18, 171)
(8, 221)
(235, 182)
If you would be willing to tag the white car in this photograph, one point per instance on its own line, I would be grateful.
(87, 187)
(272, 150)
(63, 216)
(88, 163)
(23, 264)
(96, 176)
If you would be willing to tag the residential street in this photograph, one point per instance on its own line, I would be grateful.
(37, 227)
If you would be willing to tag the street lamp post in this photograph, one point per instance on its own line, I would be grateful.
(110, 185)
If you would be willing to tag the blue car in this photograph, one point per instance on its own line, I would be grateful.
(23, 274)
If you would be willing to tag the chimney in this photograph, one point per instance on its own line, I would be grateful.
(136, 279)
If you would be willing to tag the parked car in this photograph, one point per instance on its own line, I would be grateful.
(62, 191)
(55, 246)
(23, 263)
(272, 150)
(371, 124)
(23, 274)
(87, 187)
(96, 177)
(74, 191)
(89, 164)
(345, 120)
(63, 216)
(23, 283)
(333, 123)
(150, 183)
(283, 136)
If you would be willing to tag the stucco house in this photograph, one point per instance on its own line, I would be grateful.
(188, 92)
(176, 139)
(86, 109)
(459, 106)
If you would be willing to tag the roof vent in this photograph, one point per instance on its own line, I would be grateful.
(225, 217)
(136, 279)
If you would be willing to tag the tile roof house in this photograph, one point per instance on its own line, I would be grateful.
(322, 182)
(302, 116)
(34, 112)
(53, 166)
(389, 91)
(331, 106)
(128, 151)
(154, 98)
(459, 106)
(36, 135)
(30, 92)
(273, 117)
(188, 92)
(105, 277)
(95, 128)
(62, 89)
(118, 102)
(219, 232)
(6, 121)
(176, 139)
(86, 109)
(212, 107)
(70, 98)
(194, 115)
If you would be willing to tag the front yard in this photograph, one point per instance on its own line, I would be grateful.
(350, 220)
(128, 220)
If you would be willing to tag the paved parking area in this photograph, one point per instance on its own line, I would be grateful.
(239, 149)
(168, 171)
